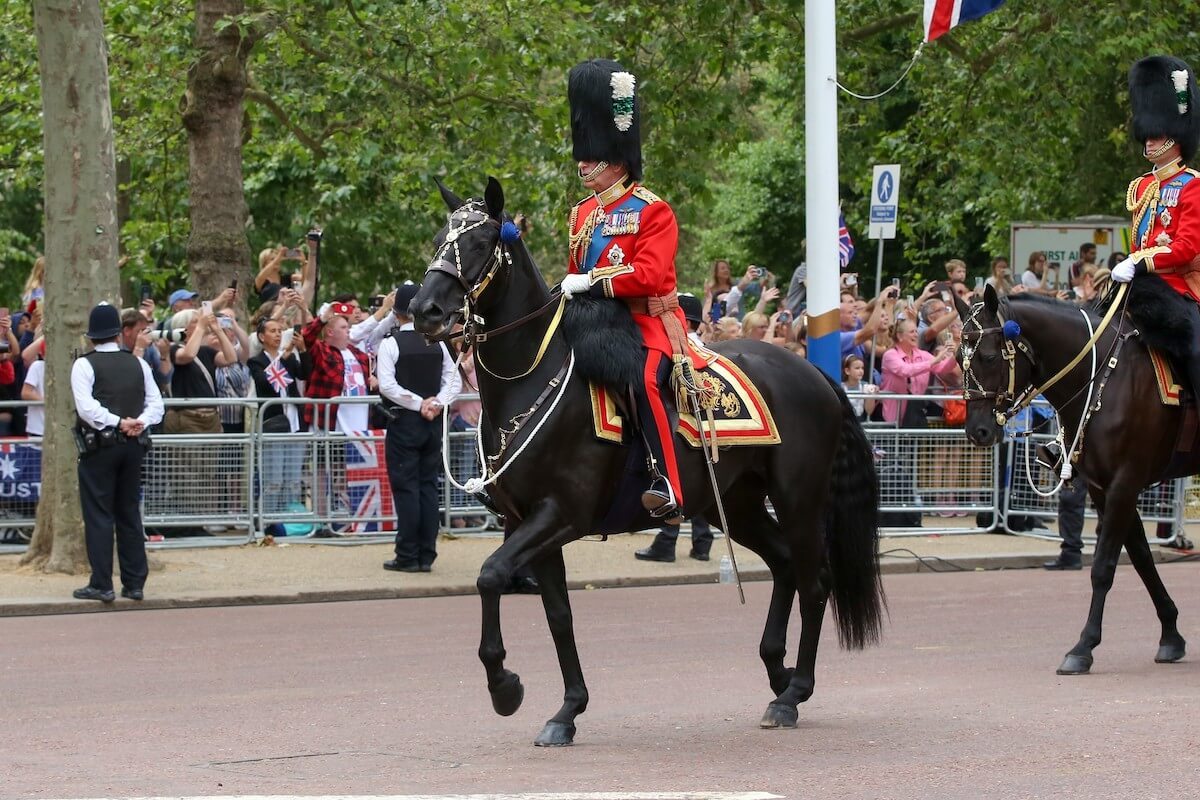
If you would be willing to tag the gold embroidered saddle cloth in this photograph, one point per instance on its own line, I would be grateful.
(1169, 390)
(738, 410)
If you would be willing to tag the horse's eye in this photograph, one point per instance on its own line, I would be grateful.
(989, 357)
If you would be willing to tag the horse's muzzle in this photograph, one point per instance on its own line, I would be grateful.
(983, 433)
(428, 316)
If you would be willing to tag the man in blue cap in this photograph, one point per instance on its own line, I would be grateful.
(116, 401)
(182, 299)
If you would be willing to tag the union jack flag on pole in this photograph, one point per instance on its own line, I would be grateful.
(845, 243)
(942, 15)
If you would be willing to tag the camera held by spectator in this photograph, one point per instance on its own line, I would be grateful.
(173, 335)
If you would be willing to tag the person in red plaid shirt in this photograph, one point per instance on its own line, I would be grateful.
(339, 369)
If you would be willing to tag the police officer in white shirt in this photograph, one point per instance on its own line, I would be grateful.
(418, 381)
(117, 401)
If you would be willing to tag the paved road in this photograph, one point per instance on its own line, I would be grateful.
(387, 697)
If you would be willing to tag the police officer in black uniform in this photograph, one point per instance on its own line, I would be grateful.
(418, 380)
(116, 401)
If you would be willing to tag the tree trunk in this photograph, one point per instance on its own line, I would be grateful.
(81, 247)
(212, 114)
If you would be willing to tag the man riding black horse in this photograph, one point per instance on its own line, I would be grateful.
(623, 243)
(1165, 204)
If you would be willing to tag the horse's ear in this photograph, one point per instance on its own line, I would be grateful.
(453, 201)
(964, 310)
(493, 198)
(990, 299)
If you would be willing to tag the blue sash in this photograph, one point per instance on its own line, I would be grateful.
(1168, 198)
(621, 221)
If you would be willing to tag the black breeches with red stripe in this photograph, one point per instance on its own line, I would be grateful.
(659, 418)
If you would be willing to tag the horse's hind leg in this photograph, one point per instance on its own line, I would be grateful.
(1171, 646)
(1120, 523)
(800, 521)
(754, 528)
(552, 575)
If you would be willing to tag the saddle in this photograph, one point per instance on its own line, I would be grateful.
(738, 412)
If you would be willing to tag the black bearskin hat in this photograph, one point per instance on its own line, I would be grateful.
(1165, 102)
(605, 115)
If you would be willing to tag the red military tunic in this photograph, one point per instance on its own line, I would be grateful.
(1166, 226)
(625, 238)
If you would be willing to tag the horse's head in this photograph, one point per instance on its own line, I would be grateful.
(468, 252)
(992, 372)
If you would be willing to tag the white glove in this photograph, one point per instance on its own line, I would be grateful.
(1123, 272)
(576, 284)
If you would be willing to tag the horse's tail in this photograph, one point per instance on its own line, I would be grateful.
(852, 535)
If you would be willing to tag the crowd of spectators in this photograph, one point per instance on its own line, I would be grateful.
(895, 342)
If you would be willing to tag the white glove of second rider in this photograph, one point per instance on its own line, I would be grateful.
(576, 284)
(1123, 272)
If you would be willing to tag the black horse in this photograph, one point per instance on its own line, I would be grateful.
(821, 480)
(1129, 442)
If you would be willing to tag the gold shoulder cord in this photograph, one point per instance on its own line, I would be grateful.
(579, 241)
(1146, 204)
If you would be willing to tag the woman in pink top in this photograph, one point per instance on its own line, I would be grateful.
(906, 368)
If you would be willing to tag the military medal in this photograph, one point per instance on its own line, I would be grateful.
(1165, 216)
(1170, 194)
(621, 223)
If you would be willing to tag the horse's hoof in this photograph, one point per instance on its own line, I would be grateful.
(507, 694)
(1075, 665)
(780, 716)
(556, 734)
(1170, 653)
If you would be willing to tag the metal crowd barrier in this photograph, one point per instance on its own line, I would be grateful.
(1163, 505)
(233, 488)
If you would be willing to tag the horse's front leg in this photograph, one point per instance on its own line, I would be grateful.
(551, 573)
(504, 685)
(1120, 524)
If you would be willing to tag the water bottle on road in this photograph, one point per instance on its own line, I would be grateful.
(726, 570)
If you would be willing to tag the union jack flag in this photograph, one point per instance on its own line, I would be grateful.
(845, 243)
(942, 15)
(367, 485)
(278, 376)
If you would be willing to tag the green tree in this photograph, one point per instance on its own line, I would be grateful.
(81, 246)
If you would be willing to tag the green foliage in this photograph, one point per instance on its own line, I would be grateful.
(356, 105)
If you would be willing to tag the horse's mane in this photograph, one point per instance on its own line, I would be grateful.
(1062, 308)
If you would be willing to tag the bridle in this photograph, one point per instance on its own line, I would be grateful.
(448, 260)
(973, 389)
(470, 216)
(1008, 403)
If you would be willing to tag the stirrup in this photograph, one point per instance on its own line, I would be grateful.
(661, 504)
(1049, 456)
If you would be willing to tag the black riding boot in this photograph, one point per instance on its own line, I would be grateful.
(659, 499)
